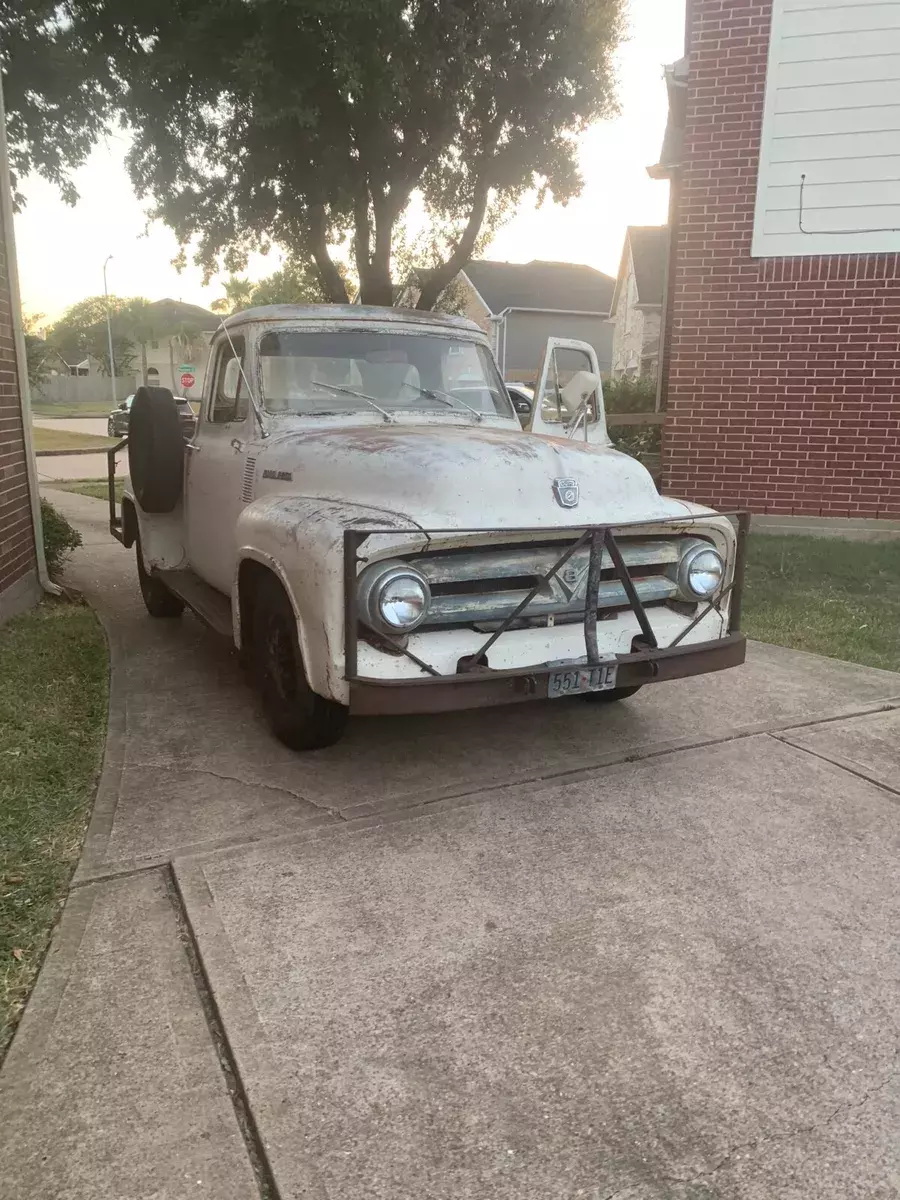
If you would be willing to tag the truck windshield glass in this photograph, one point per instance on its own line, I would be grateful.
(303, 372)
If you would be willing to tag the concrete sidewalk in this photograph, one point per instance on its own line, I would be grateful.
(550, 951)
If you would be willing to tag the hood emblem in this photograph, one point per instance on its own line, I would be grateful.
(566, 492)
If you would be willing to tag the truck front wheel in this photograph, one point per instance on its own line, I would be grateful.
(297, 716)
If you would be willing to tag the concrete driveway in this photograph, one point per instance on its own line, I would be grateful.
(554, 951)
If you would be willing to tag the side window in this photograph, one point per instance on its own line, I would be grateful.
(229, 398)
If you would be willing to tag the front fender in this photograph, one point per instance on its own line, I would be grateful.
(301, 540)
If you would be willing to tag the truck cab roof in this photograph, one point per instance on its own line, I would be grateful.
(352, 313)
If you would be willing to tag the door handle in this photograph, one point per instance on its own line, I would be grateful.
(192, 447)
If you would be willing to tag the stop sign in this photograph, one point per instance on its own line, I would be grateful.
(187, 380)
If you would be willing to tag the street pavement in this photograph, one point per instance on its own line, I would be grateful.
(559, 950)
(95, 426)
(76, 466)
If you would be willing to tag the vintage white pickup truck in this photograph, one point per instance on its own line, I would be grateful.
(360, 511)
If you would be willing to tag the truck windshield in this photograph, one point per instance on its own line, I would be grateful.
(310, 373)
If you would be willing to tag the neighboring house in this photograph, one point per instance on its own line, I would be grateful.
(20, 550)
(522, 304)
(167, 356)
(637, 301)
(781, 365)
(83, 368)
(79, 382)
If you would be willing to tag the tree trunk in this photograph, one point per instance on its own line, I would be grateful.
(375, 286)
(172, 365)
(144, 363)
(444, 275)
(335, 288)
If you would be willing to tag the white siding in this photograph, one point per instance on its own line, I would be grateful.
(832, 114)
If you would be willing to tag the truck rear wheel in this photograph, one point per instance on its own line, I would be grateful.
(159, 601)
(297, 716)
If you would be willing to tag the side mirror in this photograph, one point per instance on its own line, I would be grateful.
(123, 405)
(522, 406)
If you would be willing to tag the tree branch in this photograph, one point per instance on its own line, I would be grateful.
(442, 276)
(362, 249)
(334, 286)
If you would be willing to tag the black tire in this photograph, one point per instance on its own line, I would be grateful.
(297, 716)
(155, 450)
(612, 695)
(159, 601)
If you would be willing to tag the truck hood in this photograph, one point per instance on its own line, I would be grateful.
(469, 477)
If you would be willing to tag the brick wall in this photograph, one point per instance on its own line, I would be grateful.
(783, 375)
(17, 560)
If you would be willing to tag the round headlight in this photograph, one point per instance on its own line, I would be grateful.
(701, 572)
(393, 597)
(403, 601)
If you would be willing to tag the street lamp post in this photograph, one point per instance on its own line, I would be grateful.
(112, 361)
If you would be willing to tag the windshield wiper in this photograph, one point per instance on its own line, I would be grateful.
(334, 387)
(448, 398)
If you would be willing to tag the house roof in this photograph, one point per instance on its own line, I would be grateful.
(645, 247)
(176, 310)
(541, 285)
(672, 151)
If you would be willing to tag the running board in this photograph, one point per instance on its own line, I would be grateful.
(210, 606)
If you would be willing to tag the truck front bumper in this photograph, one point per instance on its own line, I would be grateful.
(482, 688)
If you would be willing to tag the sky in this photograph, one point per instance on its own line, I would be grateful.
(61, 249)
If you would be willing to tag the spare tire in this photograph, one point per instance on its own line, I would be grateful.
(155, 450)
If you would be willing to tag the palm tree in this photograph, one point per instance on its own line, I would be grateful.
(186, 338)
(145, 324)
(237, 295)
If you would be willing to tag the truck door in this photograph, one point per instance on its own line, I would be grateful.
(215, 468)
(568, 400)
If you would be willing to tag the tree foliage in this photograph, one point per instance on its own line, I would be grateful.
(310, 123)
(56, 87)
(295, 282)
(81, 332)
(237, 295)
(37, 357)
(134, 321)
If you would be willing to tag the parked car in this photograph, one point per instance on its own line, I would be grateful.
(522, 397)
(361, 514)
(118, 420)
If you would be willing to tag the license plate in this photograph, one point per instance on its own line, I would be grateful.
(582, 679)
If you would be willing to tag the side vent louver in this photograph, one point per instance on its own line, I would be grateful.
(247, 484)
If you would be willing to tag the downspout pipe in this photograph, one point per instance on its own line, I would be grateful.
(15, 308)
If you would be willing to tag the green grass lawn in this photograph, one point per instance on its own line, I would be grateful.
(83, 408)
(64, 439)
(53, 664)
(89, 487)
(826, 595)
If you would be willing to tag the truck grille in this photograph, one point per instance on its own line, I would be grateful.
(475, 587)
